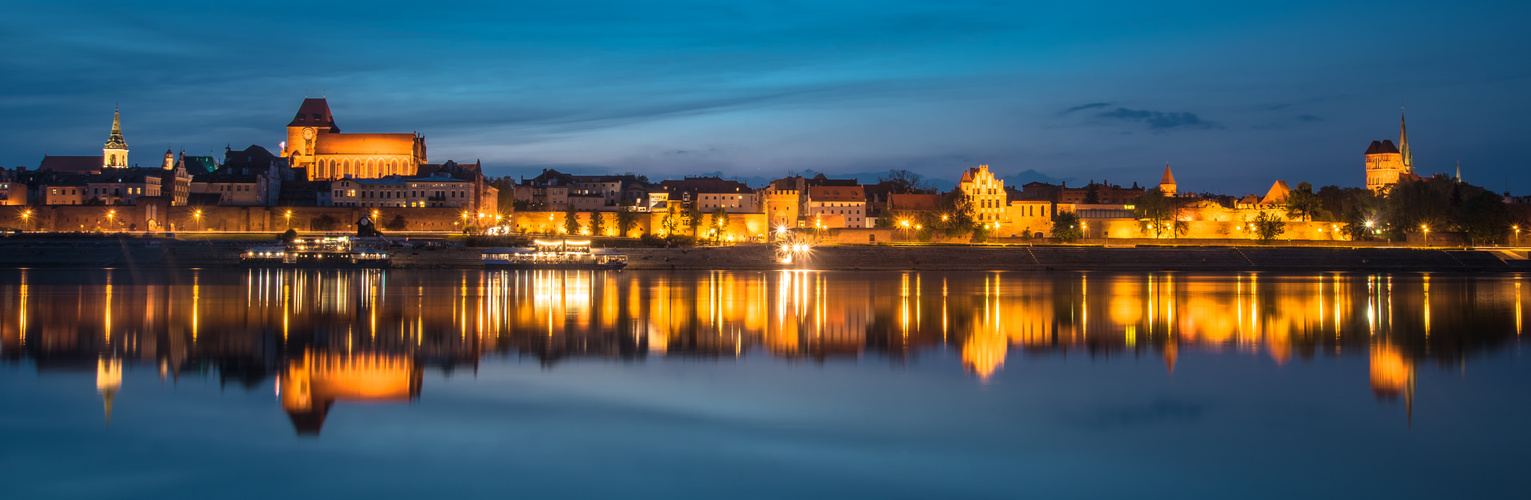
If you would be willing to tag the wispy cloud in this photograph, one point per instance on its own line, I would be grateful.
(1083, 107)
(1159, 120)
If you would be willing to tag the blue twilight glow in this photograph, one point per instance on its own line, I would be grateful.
(1233, 94)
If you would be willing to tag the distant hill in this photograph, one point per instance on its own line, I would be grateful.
(941, 183)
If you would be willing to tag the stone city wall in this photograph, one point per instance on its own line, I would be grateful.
(158, 217)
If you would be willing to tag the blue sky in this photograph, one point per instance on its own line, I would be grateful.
(1233, 95)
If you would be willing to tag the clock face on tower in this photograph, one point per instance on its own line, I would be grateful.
(308, 133)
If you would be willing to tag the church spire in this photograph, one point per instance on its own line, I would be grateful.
(1403, 144)
(115, 153)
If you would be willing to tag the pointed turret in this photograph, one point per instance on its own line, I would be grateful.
(1403, 145)
(115, 153)
(1167, 183)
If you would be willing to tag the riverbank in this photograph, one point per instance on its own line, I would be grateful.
(176, 253)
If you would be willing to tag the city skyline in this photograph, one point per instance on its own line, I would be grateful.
(1292, 92)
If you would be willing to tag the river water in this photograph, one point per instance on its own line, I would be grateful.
(414, 384)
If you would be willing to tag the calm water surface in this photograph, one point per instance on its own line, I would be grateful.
(414, 384)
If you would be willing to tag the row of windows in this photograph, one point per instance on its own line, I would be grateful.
(386, 204)
(400, 194)
(359, 168)
(227, 189)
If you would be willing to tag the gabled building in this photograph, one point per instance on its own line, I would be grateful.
(836, 207)
(712, 193)
(315, 144)
(985, 192)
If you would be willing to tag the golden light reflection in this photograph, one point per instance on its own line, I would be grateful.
(369, 329)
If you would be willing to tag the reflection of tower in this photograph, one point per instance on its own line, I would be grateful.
(1171, 355)
(108, 380)
(1392, 375)
(310, 386)
(984, 352)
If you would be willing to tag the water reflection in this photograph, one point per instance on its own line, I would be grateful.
(320, 337)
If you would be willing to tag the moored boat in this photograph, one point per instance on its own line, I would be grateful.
(325, 251)
(558, 254)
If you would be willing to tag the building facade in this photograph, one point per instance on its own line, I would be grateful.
(316, 144)
(836, 207)
(985, 192)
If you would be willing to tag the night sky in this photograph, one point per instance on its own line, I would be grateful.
(1234, 95)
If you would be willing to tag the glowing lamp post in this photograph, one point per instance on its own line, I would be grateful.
(26, 220)
(111, 218)
(1426, 229)
(1517, 234)
(288, 216)
(196, 215)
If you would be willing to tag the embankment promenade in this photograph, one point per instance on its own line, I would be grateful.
(176, 253)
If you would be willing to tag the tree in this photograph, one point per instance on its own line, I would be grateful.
(1268, 226)
(324, 222)
(626, 218)
(1067, 227)
(1302, 204)
(1484, 218)
(506, 203)
(598, 222)
(693, 218)
(399, 223)
(1158, 214)
(571, 220)
(1360, 210)
(719, 224)
(672, 219)
(956, 217)
(1092, 194)
(905, 182)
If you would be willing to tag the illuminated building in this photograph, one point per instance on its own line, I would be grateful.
(1167, 183)
(1387, 164)
(314, 142)
(115, 153)
(836, 206)
(985, 193)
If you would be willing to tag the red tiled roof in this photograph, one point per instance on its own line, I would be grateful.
(1382, 147)
(73, 164)
(315, 112)
(836, 193)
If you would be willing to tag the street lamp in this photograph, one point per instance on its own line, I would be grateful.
(288, 215)
(26, 220)
(1426, 229)
(197, 216)
(1517, 234)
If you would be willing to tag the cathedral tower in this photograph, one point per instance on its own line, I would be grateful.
(115, 153)
(1167, 183)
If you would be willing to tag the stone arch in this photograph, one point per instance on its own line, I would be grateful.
(345, 167)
